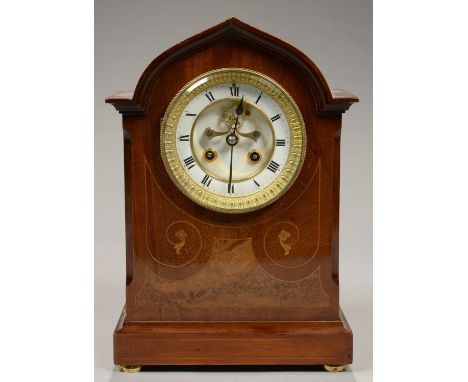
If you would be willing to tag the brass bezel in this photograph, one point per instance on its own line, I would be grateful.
(233, 204)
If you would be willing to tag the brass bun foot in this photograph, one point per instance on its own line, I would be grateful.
(129, 368)
(334, 368)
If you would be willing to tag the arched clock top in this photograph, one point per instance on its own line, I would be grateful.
(326, 100)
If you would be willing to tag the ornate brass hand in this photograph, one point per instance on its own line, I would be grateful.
(252, 135)
(211, 133)
(234, 121)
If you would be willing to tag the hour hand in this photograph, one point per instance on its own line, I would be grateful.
(210, 133)
(252, 135)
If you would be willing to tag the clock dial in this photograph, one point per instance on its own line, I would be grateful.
(233, 140)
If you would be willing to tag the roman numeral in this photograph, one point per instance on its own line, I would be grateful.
(258, 99)
(234, 90)
(210, 97)
(256, 183)
(185, 138)
(230, 188)
(273, 166)
(280, 142)
(189, 162)
(275, 118)
(206, 181)
(187, 114)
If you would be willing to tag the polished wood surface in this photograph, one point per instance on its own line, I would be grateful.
(229, 276)
(233, 343)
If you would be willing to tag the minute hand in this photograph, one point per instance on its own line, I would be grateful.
(239, 111)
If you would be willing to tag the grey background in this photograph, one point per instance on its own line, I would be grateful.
(337, 36)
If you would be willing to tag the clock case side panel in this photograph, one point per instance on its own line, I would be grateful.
(335, 254)
(128, 174)
(133, 127)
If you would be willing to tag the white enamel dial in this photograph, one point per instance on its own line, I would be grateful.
(227, 140)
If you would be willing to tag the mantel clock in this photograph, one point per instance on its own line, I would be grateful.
(232, 159)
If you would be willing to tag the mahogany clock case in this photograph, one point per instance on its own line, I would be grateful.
(232, 295)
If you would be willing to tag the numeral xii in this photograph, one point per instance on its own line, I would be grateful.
(234, 91)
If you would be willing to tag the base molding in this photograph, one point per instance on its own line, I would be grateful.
(233, 343)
